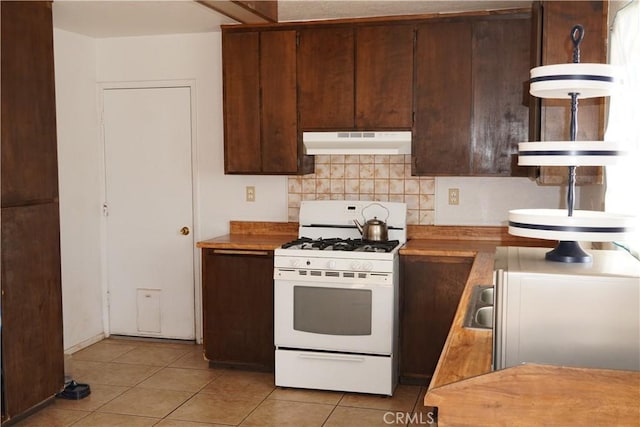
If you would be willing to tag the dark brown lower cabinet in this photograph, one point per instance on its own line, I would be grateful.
(430, 289)
(237, 287)
(32, 347)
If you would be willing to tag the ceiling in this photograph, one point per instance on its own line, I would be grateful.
(304, 10)
(100, 19)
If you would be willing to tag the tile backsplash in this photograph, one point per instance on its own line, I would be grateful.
(376, 178)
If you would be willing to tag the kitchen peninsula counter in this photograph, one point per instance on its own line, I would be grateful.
(467, 352)
(468, 393)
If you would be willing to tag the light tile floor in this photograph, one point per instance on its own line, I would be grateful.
(143, 383)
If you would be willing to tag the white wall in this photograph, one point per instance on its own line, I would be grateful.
(487, 201)
(82, 64)
(197, 57)
(79, 181)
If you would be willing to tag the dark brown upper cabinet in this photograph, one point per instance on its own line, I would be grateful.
(356, 77)
(471, 95)
(326, 58)
(460, 83)
(442, 130)
(260, 108)
(555, 47)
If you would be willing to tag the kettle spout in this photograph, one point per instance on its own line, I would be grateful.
(355, 221)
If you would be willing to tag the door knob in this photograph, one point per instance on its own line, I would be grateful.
(184, 231)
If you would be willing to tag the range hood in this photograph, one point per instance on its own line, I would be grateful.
(349, 142)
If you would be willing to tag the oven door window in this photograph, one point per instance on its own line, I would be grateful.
(332, 311)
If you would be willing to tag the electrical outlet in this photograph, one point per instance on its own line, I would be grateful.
(454, 196)
(250, 193)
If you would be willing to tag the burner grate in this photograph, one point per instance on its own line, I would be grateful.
(338, 244)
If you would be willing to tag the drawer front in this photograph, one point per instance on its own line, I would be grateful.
(338, 372)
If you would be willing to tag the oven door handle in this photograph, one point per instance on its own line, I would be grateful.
(340, 358)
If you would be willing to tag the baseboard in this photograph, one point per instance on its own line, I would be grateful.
(84, 344)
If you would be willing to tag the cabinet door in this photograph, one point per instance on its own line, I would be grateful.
(384, 77)
(29, 151)
(443, 103)
(559, 17)
(326, 78)
(279, 150)
(241, 77)
(238, 308)
(471, 97)
(430, 290)
(501, 63)
(32, 348)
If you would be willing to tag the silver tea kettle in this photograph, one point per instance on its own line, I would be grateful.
(374, 230)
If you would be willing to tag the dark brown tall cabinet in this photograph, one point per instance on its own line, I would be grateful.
(32, 346)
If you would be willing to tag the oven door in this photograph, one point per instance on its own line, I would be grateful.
(353, 317)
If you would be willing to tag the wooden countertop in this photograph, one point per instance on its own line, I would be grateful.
(243, 241)
(467, 352)
(265, 236)
(540, 395)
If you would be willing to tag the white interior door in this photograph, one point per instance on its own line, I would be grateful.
(149, 208)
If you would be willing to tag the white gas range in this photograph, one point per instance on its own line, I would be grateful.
(336, 299)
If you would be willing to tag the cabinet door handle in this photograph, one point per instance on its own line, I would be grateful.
(239, 252)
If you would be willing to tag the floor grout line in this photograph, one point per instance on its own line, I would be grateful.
(244, 378)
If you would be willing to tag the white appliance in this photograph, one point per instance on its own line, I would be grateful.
(336, 300)
(582, 315)
(357, 142)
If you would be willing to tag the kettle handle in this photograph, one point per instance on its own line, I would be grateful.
(372, 204)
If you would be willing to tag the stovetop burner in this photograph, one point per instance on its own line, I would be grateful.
(338, 244)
